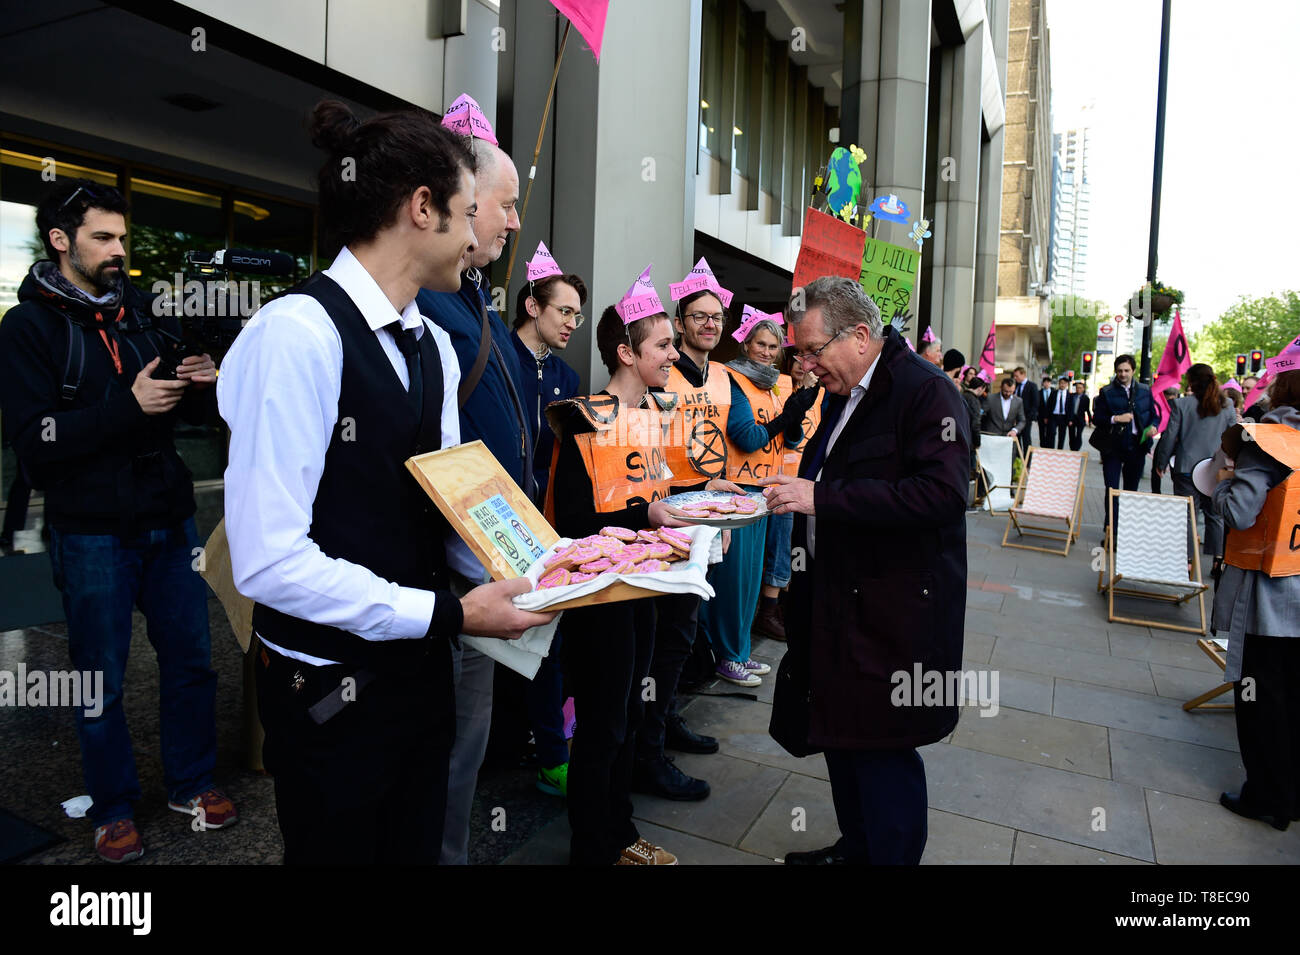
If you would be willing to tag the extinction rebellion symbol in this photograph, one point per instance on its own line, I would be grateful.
(707, 449)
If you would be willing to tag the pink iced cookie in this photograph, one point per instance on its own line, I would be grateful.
(671, 535)
(746, 507)
(698, 513)
(559, 557)
(659, 551)
(596, 566)
(622, 533)
(581, 578)
(556, 578)
(653, 566)
(649, 537)
(608, 546)
(624, 567)
(582, 555)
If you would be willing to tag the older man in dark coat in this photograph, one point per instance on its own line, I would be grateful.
(880, 505)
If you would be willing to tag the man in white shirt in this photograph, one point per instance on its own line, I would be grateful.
(1056, 406)
(1006, 412)
(327, 392)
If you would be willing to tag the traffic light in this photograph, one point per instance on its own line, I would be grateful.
(1070, 374)
(1087, 363)
(1256, 360)
(1241, 366)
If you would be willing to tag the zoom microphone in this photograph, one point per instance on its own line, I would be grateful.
(250, 261)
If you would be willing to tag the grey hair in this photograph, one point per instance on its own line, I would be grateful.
(766, 325)
(486, 159)
(844, 305)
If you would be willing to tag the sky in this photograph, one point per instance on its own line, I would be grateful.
(1232, 143)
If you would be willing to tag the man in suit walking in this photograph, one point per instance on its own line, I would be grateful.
(1056, 413)
(1027, 392)
(1076, 415)
(1126, 407)
(1005, 412)
(885, 509)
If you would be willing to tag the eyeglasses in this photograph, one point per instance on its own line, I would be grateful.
(805, 357)
(93, 193)
(570, 313)
(703, 318)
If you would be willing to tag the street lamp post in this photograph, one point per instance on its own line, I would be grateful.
(1145, 373)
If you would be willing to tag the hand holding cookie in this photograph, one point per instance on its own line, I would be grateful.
(787, 494)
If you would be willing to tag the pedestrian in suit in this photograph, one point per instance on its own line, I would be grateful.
(1196, 426)
(1055, 405)
(1027, 392)
(1076, 415)
(1127, 408)
(1005, 412)
(879, 504)
(1044, 411)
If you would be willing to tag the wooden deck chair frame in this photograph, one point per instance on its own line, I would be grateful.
(1066, 535)
(1111, 587)
(1218, 655)
(1016, 452)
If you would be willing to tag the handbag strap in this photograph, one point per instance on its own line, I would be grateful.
(468, 383)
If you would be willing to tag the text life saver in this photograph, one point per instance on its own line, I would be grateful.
(1272, 544)
(701, 450)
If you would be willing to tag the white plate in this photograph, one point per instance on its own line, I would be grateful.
(691, 498)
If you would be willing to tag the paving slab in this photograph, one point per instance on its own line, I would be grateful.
(1033, 849)
(1185, 769)
(959, 840)
(1036, 738)
(1067, 632)
(740, 790)
(1141, 713)
(1019, 654)
(1021, 690)
(977, 646)
(550, 846)
(799, 818)
(1192, 831)
(1178, 651)
(1182, 684)
(741, 729)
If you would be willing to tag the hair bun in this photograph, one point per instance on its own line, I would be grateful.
(332, 126)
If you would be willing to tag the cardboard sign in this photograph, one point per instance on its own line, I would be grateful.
(829, 247)
(1272, 544)
(888, 275)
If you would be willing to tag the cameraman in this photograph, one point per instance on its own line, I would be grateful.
(92, 425)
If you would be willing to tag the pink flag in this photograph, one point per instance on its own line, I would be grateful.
(641, 300)
(987, 364)
(909, 343)
(465, 117)
(1173, 365)
(542, 264)
(701, 279)
(589, 17)
(751, 317)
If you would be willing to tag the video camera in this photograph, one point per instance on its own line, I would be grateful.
(210, 305)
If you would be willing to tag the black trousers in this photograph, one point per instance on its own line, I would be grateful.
(1268, 726)
(880, 804)
(369, 786)
(676, 620)
(1076, 436)
(607, 650)
(1126, 463)
(1054, 435)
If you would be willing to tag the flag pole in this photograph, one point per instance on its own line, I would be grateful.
(537, 151)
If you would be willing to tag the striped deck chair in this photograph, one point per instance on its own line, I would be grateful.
(1148, 555)
(1217, 650)
(1051, 489)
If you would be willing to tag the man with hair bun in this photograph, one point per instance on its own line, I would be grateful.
(327, 391)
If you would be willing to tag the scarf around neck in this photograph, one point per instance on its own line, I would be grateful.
(764, 376)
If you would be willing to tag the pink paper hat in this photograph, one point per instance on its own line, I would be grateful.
(751, 317)
(929, 335)
(1288, 359)
(984, 376)
(641, 300)
(542, 265)
(701, 279)
(1233, 384)
(466, 118)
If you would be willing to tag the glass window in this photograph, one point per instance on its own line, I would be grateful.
(741, 130)
(268, 225)
(710, 76)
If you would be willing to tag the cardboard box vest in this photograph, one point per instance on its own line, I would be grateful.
(1272, 544)
(701, 450)
(812, 419)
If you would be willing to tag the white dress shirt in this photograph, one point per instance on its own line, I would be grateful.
(278, 391)
(1006, 406)
(855, 398)
(1060, 401)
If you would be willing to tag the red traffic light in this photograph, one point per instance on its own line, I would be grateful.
(1087, 363)
(1256, 360)
(1241, 365)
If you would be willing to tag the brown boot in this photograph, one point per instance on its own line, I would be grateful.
(769, 623)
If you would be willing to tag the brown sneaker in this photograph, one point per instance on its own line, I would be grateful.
(118, 841)
(212, 806)
(644, 853)
(769, 623)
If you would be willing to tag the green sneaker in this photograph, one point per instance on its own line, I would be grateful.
(554, 782)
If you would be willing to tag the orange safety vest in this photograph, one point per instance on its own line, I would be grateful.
(625, 454)
(767, 460)
(1272, 543)
(701, 448)
(812, 420)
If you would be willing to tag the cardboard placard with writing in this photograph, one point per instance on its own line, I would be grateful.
(888, 275)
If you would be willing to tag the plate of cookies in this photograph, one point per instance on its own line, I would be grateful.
(719, 509)
(663, 560)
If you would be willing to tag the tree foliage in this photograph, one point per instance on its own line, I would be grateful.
(1074, 330)
(1268, 323)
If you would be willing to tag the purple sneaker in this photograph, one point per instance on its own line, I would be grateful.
(756, 668)
(734, 672)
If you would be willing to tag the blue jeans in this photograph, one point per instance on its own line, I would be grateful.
(727, 618)
(776, 552)
(546, 707)
(102, 578)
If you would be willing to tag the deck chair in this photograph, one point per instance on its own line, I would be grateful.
(1050, 489)
(996, 456)
(1216, 650)
(1148, 555)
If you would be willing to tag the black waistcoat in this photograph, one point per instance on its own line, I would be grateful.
(369, 510)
